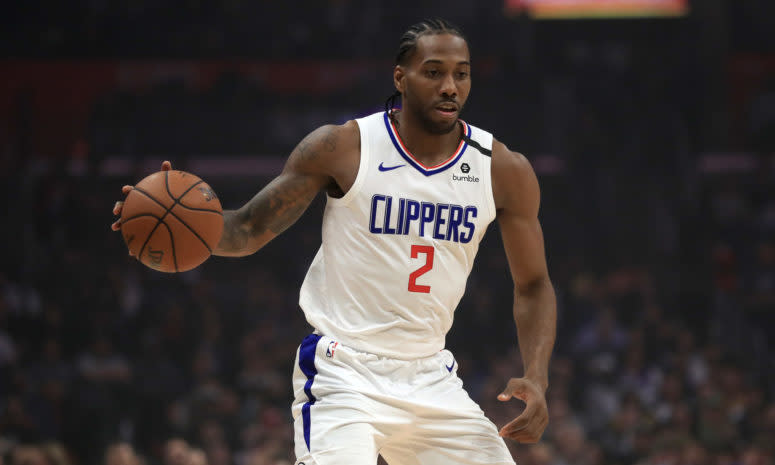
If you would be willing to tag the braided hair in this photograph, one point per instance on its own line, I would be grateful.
(408, 45)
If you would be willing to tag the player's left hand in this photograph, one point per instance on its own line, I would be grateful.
(530, 425)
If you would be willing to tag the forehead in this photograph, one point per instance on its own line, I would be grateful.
(443, 47)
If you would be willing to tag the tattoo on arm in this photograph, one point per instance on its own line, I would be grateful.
(303, 150)
(278, 205)
(329, 140)
(273, 210)
(234, 238)
(311, 146)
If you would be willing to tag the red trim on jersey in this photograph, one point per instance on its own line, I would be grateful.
(451, 157)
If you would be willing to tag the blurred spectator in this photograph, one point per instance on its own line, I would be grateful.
(121, 454)
(756, 456)
(197, 457)
(694, 454)
(539, 454)
(571, 444)
(100, 365)
(29, 455)
(176, 452)
(218, 453)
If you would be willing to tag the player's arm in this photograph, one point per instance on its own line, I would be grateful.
(517, 198)
(325, 159)
(311, 167)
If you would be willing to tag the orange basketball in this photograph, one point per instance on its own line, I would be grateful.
(171, 221)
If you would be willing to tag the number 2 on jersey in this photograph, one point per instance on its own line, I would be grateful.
(428, 251)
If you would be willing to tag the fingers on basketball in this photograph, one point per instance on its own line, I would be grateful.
(118, 206)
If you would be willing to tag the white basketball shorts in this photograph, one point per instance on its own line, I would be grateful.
(350, 406)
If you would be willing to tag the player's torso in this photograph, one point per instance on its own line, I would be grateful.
(398, 247)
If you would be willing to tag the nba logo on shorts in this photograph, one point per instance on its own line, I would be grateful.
(331, 349)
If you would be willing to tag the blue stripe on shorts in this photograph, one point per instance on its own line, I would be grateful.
(307, 365)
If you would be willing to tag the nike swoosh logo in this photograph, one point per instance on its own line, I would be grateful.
(388, 168)
(449, 368)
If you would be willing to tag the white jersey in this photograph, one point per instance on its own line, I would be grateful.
(397, 249)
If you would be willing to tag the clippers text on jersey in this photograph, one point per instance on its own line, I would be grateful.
(441, 221)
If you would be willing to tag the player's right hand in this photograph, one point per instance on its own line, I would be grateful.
(165, 166)
(530, 425)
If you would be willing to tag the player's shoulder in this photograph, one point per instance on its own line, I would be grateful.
(330, 135)
(513, 177)
(512, 162)
(327, 144)
(346, 129)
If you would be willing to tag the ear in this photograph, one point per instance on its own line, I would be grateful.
(398, 78)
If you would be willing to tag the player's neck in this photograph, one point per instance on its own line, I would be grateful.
(429, 148)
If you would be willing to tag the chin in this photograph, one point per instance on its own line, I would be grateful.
(439, 127)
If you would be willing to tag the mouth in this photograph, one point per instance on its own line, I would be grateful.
(447, 109)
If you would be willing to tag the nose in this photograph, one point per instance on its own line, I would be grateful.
(448, 87)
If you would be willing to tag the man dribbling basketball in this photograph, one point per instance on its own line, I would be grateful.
(409, 196)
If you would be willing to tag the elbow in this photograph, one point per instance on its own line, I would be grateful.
(533, 287)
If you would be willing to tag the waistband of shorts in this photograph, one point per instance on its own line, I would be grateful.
(332, 343)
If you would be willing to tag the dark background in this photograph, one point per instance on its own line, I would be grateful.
(654, 142)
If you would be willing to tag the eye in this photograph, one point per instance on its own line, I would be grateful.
(462, 75)
(432, 73)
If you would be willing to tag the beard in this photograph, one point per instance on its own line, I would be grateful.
(423, 116)
(435, 127)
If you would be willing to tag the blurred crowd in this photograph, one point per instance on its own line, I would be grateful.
(105, 361)
(662, 256)
(302, 29)
(114, 360)
(277, 30)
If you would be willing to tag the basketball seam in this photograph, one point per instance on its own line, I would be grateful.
(175, 216)
(161, 220)
(148, 238)
(172, 242)
(141, 215)
(169, 192)
(178, 200)
(200, 209)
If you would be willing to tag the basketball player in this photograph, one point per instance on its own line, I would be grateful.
(410, 193)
